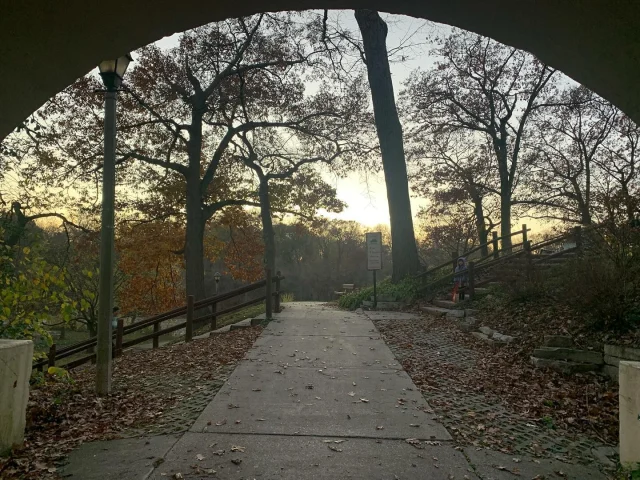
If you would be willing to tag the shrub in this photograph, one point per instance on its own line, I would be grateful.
(605, 292)
(405, 291)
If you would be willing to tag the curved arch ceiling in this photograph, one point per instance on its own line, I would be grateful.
(45, 45)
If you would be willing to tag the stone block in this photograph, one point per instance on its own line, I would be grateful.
(629, 414)
(470, 320)
(441, 312)
(384, 305)
(563, 366)
(487, 331)
(470, 312)
(256, 321)
(455, 314)
(624, 353)
(466, 327)
(503, 338)
(483, 337)
(444, 303)
(558, 341)
(569, 354)
(611, 372)
(613, 361)
(16, 357)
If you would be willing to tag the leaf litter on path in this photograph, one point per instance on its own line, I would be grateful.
(62, 415)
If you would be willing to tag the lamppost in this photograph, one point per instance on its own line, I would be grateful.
(216, 277)
(112, 72)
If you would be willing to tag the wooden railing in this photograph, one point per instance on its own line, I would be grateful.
(496, 251)
(502, 256)
(271, 299)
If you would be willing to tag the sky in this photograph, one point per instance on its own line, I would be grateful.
(365, 193)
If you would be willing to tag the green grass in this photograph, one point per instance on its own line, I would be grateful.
(405, 291)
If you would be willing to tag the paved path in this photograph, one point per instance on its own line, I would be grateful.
(319, 396)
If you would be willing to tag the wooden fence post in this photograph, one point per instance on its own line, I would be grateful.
(156, 339)
(214, 318)
(119, 335)
(472, 280)
(277, 300)
(494, 243)
(454, 260)
(577, 235)
(189, 329)
(269, 294)
(52, 355)
(525, 238)
(528, 258)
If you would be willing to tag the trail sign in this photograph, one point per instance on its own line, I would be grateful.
(374, 250)
(374, 259)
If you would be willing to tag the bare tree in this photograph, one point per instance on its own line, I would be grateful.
(449, 168)
(569, 140)
(486, 88)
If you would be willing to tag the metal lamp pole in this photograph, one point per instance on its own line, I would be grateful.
(112, 72)
(216, 277)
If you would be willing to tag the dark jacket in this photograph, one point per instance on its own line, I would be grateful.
(462, 276)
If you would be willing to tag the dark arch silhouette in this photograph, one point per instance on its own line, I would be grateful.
(46, 45)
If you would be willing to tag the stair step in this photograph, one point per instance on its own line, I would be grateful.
(437, 310)
(444, 303)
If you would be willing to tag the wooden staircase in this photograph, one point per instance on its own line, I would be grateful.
(518, 263)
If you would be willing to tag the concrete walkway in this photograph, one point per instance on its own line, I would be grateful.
(319, 396)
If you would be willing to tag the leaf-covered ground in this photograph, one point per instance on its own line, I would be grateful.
(583, 405)
(530, 321)
(62, 414)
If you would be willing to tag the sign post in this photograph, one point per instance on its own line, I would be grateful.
(374, 259)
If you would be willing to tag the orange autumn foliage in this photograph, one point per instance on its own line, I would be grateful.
(146, 255)
(244, 252)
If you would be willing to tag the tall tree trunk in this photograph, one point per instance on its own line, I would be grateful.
(481, 226)
(500, 147)
(194, 245)
(268, 234)
(404, 252)
(505, 221)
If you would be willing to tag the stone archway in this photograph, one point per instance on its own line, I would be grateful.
(45, 46)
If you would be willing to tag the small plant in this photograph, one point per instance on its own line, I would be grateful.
(548, 421)
(59, 373)
(286, 298)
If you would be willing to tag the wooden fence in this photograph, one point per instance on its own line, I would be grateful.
(271, 298)
(496, 252)
(499, 256)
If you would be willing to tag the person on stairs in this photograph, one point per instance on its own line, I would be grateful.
(460, 279)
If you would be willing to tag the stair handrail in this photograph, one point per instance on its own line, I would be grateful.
(475, 249)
